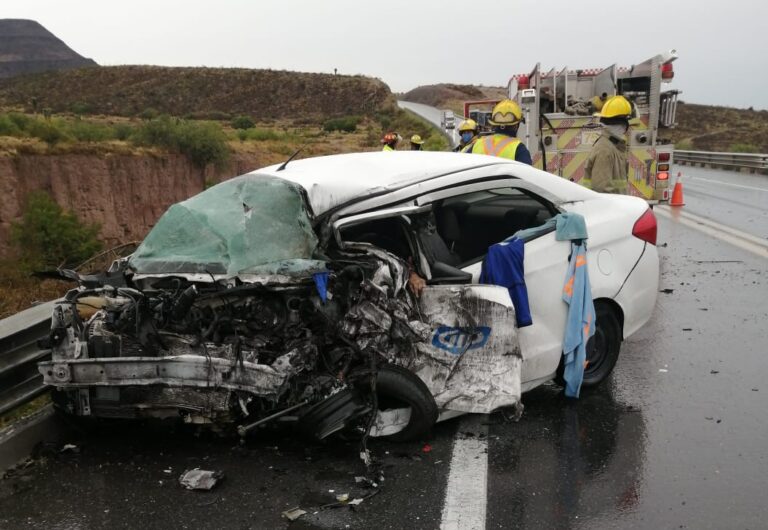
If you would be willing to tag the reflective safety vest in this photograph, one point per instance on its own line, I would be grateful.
(497, 145)
(387, 148)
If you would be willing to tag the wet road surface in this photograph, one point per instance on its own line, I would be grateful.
(738, 200)
(675, 439)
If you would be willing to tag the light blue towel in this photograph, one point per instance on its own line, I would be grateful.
(570, 226)
(580, 323)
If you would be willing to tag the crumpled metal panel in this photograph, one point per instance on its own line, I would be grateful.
(472, 361)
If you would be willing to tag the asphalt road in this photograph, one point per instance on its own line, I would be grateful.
(434, 116)
(739, 200)
(675, 439)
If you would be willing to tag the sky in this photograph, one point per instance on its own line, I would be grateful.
(407, 43)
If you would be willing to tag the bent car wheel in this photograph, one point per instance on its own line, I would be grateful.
(397, 386)
(603, 347)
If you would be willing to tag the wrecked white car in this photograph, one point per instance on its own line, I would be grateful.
(283, 294)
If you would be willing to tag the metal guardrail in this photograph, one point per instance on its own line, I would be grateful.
(737, 161)
(20, 381)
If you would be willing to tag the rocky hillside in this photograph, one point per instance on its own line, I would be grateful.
(27, 47)
(199, 92)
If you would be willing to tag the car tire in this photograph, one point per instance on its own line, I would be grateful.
(602, 349)
(395, 384)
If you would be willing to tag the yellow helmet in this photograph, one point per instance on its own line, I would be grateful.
(468, 125)
(506, 112)
(616, 107)
(416, 139)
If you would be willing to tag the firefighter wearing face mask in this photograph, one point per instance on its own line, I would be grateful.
(606, 165)
(467, 136)
(505, 119)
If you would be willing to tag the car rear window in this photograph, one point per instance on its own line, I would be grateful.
(238, 226)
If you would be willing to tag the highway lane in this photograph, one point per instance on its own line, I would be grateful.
(735, 199)
(432, 115)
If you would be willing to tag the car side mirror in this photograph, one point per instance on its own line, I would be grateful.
(442, 273)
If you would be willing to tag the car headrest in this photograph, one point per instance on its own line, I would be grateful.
(448, 224)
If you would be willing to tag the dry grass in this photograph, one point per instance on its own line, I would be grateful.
(19, 290)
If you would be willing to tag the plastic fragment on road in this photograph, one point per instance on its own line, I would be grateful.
(426, 449)
(293, 513)
(342, 497)
(200, 479)
(69, 448)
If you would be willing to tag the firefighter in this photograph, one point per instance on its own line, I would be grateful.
(597, 102)
(607, 162)
(416, 142)
(467, 136)
(390, 141)
(505, 118)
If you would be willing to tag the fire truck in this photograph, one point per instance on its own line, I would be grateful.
(560, 113)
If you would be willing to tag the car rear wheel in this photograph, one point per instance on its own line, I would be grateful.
(603, 348)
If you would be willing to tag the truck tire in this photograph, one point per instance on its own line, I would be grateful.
(396, 385)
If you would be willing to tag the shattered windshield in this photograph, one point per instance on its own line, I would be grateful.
(237, 226)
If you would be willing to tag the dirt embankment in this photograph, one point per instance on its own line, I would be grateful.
(124, 194)
(199, 92)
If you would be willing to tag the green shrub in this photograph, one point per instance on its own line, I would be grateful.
(202, 142)
(346, 124)
(80, 108)
(436, 142)
(48, 236)
(149, 114)
(84, 131)
(743, 148)
(8, 127)
(123, 131)
(49, 131)
(243, 122)
(22, 121)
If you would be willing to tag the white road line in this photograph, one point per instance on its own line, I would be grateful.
(712, 228)
(755, 188)
(466, 493)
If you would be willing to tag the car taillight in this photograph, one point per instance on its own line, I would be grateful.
(645, 227)
(663, 157)
(667, 72)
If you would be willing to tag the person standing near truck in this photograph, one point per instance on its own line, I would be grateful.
(606, 164)
(467, 136)
(505, 119)
(416, 143)
(390, 141)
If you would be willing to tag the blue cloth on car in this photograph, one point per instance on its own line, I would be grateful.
(580, 322)
(321, 283)
(570, 226)
(503, 265)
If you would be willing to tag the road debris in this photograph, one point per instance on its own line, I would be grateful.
(200, 479)
(293, 513)
(667, 291)
(69, 448)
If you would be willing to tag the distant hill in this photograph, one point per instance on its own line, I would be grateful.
(699, 127)
(199, 92)
(27, 47)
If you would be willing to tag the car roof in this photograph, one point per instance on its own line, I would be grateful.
(336, 180)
